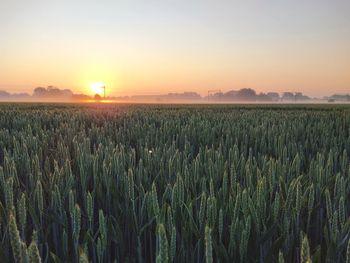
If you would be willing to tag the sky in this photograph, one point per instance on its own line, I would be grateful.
(160, 46)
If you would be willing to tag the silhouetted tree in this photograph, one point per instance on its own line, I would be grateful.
(274, 96)
(288, 96)
(52, 92)
(97, 97)
(246, 94)
(4, 93)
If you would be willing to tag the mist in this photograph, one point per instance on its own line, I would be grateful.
(245, 95)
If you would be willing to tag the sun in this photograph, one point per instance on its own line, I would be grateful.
(98, 88)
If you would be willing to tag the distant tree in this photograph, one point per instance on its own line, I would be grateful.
(97, 97)
(80, 97)
(4, 93)
(39, 92)
(263, 97)
(300, 96)
(52, 92)
(234, 95)
(231, 94)
(13, 96)
(246, 94)
(273, 95)
(181, 96)
(338, 97)
(288, 96)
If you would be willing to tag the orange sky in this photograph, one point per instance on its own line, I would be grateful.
(176, 46)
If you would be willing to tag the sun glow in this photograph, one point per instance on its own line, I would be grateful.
(98, 88)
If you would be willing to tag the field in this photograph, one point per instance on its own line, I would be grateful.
(174, 183)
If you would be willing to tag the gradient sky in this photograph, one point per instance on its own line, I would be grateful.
(150, 47)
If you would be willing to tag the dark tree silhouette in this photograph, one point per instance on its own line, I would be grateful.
(97, 97)
(246, 94)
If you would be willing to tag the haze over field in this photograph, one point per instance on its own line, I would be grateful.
(160, 47)
(54, 94)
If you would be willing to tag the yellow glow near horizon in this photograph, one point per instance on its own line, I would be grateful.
(97, 88)
(209, 46)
